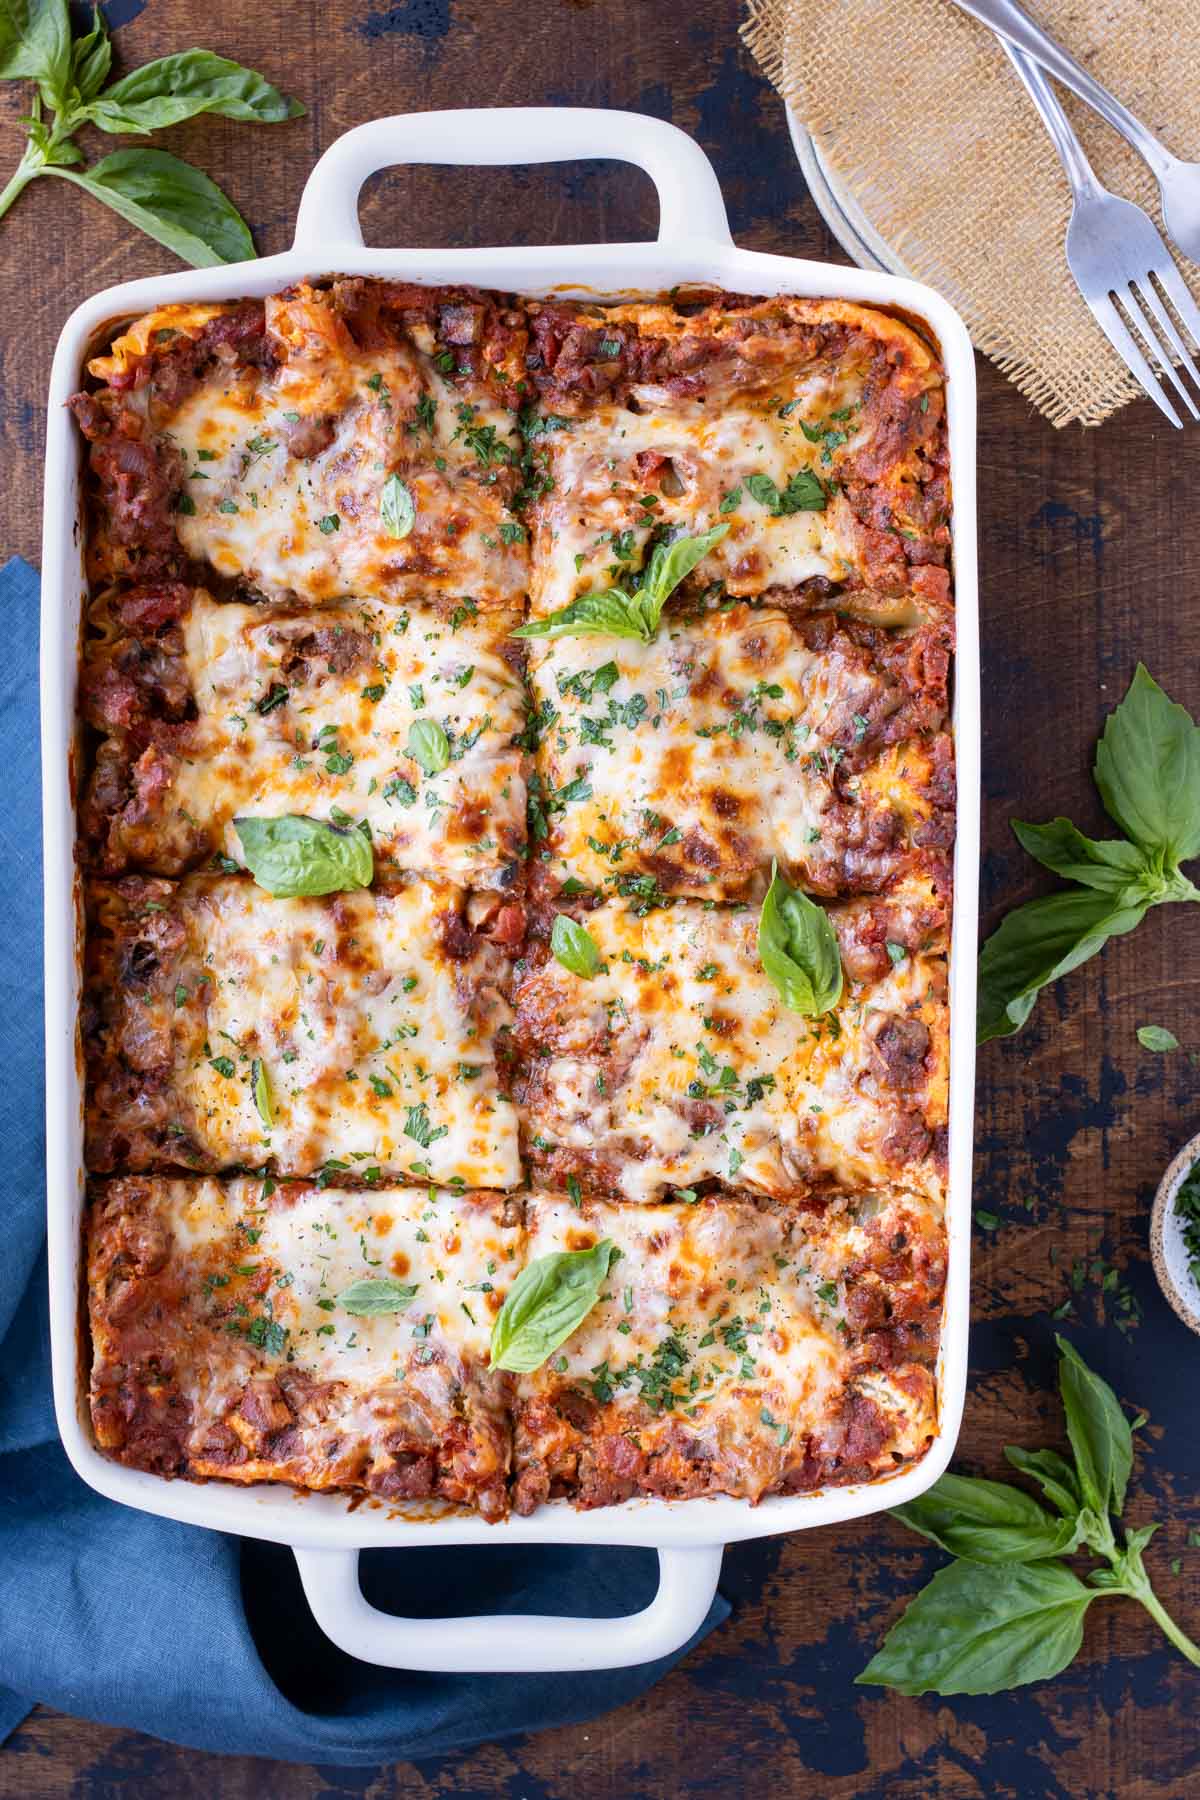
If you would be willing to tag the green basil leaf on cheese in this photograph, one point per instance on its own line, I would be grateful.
(294, 855)
(397, 508)
(547, 1302)
(805, 492)
(798, 949)
(616, 613)
(610, 614)
(260, 1083)
(428, 746)
(375, 1295)
(575, 947)
(672, 563)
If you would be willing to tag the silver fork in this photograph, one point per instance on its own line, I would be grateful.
(1178, 181)
(1116, 254)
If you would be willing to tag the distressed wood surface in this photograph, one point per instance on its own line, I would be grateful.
(1088, 563)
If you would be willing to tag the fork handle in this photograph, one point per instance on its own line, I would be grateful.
(1079, 170)
(1014, 24)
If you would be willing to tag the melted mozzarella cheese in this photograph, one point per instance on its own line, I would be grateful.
(299, 714)
(725, 1321)
(316, 527)
(378, 1049)
(678, 1062)
(712, 750)
(290, 1255)
(599, 490)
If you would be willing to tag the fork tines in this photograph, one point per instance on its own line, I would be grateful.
(1140, 304)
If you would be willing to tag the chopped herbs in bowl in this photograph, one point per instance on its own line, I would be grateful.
(1175, 1234)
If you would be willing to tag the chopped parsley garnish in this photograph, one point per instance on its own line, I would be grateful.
(417, 1126)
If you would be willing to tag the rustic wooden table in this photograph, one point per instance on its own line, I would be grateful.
(1087, 561)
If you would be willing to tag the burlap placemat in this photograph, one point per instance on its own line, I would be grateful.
(916, 110)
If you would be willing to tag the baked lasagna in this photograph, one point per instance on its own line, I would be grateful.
(516, 828)
(260, 1331)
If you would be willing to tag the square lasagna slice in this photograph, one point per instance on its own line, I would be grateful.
(350, 439)
(813, 429)
(678, 1066)
(263, 1331)
(356, 1033)
(736, 1349)
(365, 710)
(752, 735)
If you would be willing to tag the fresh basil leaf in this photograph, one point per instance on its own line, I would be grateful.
(397, 509)
(545, 1304)
(260, 1083)
(763, 489)
(35, 45)
(615, 613)
(375, 1295)
(1108, 864)
(575, 947)
(978, 1629)
(610, 614)
(173, 88)
(1156, 1037)
(672, 563)
(987, 1522)
(1055, 1476)
(428, 746)
(1148, 770)
(171, 202)
(293, 855)
(1037, 943)
(805, 492)
(798, 949)
(91, 58)
(1099, 1432)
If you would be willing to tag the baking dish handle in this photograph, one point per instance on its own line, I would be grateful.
(689, 196)
(510, 1643)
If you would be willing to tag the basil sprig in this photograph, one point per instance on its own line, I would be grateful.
(546, 1303)
(1008, 1611)
(798, 949)
(617, 612)
(294, 855)
(164, 197)
(1148, 773)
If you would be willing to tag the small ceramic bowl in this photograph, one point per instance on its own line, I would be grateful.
(1166, 1239)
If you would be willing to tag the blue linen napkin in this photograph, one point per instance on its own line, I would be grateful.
(192, 1635)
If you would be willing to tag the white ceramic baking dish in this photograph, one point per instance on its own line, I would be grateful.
(693, 245)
